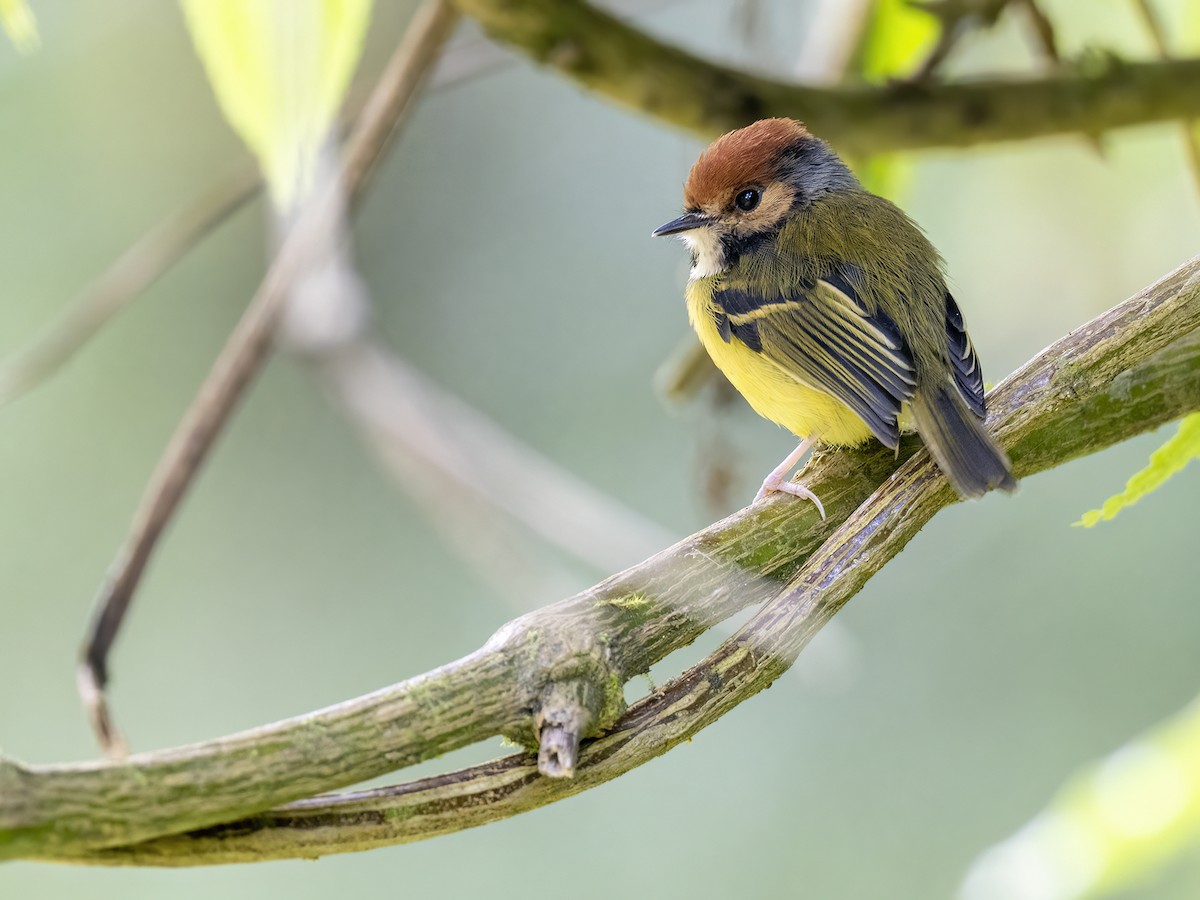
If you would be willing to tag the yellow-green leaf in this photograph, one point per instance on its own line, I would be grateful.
(20, 25)
(897, 37)
(1164, 462)
(1113, 823)
(280, 70)
(1189, 36)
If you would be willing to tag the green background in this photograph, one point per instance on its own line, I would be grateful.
(506, 245)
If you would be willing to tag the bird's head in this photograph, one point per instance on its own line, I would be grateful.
(746, 185)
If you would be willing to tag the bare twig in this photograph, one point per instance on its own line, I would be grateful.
(390, 103)
(1043, 32)
(1190, 129)
(130, 274)
(956, 21)
(1149, 16)
(393, 403)
(245, 352)
(1123, 373)
(959, 17)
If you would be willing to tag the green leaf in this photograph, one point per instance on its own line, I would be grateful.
(20, 25)
(897, 37)
(1168, 459)
(280, 70)
(1112, 824)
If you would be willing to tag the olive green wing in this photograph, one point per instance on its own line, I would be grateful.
(825, 337)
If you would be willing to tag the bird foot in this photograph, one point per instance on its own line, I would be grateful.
(775, 484)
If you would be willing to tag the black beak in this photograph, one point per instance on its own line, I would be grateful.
(686, 222)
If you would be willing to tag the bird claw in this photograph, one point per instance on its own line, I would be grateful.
(773, 486)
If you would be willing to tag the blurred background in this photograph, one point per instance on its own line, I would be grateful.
(505, 243)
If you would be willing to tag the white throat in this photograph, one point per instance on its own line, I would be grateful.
(707, 251)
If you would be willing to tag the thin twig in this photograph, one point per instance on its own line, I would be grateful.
(390, 103)
(148, 259)
(952, 31)
(957, 19)
(1190, 129)
(960, 17)
(246, 351)
(392, 403)
(1149, 16)
(154, 253)
(1043, 32)
(1047, 44)
(1123, 373)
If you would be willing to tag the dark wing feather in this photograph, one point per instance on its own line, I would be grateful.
(967, 373)
(825, 338)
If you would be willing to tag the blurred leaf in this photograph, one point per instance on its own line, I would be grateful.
(897, 37)
(20, 25)
(280, 69)
(1164, 462)
(1189, 34)
(1113, 823)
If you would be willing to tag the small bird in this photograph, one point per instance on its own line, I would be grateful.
(827, 307)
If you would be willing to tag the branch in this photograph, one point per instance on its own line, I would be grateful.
(633, 69)
(245, 352)
(1117, 376)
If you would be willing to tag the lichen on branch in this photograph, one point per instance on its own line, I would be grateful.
(1125, 372)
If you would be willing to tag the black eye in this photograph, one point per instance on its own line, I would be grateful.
(747, 199)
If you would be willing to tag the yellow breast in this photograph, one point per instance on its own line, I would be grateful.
(770, 390)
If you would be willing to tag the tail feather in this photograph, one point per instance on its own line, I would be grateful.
(968, 456)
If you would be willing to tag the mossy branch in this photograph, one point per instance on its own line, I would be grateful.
(1125, 372)
(632, 68)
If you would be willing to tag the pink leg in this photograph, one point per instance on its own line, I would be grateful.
(775, 482)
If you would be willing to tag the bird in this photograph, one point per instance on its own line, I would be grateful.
(827, 308)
